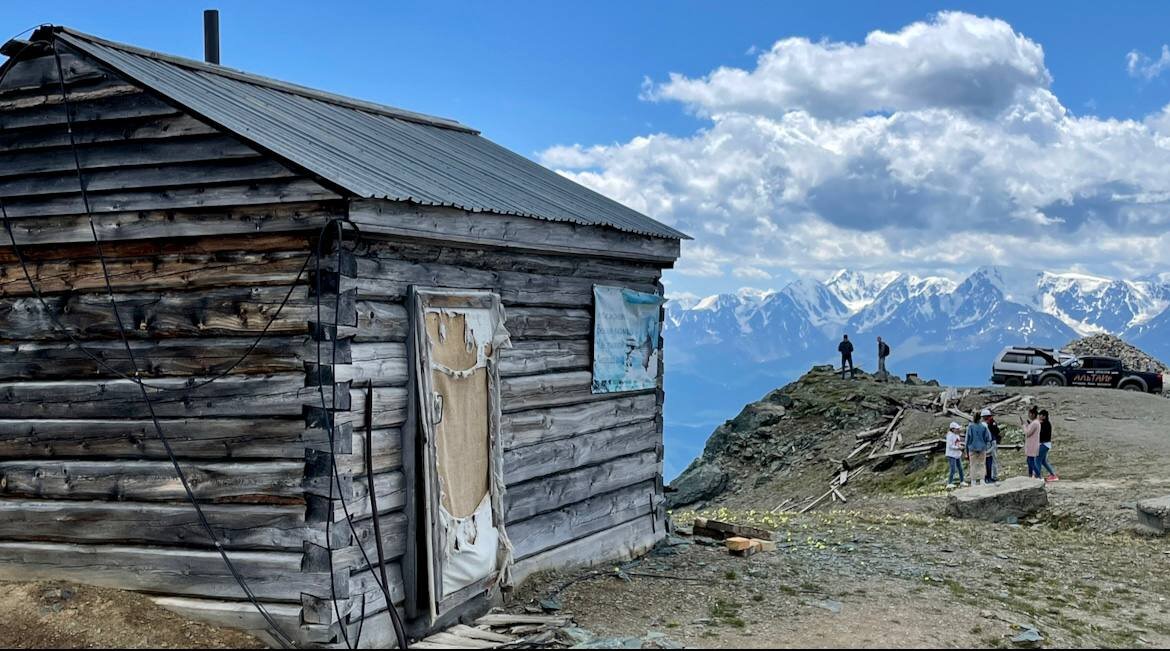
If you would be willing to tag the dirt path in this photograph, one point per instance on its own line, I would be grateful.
(65, 616)
(889, 569)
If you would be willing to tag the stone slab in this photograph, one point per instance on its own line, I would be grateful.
(1005, 501)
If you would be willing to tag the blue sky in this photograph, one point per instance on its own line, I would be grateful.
(535, 75)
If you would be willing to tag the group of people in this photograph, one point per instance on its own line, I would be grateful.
(979, 444)
(846, 350)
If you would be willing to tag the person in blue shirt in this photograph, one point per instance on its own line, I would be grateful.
(978, 443)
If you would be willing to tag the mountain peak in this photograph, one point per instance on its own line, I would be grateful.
(856, 290)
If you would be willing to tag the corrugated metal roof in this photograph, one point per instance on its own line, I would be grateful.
(370, 150)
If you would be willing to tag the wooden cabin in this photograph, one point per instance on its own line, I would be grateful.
(324, 299)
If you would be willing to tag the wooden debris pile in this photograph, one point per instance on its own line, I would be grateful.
(499, 630)
(885, 442)
(740, 539)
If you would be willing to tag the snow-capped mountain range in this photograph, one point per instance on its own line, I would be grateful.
(890, 304)
(726, 350)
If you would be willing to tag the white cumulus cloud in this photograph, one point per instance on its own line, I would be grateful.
(1140, 65)
(939, 146)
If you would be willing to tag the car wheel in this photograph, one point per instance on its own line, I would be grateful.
(1131, 386)
(1053, 381)
(1014, 382)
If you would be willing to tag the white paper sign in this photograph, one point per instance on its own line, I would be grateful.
(625, 339)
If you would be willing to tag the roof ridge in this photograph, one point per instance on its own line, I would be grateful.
(269, 82)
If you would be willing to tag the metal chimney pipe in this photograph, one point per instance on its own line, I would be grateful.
(211, 36)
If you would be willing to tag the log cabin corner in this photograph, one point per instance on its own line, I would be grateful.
(365, 333)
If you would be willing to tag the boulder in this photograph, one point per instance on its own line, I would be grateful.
(1154, 515)
(698, 483)
(1017, 497)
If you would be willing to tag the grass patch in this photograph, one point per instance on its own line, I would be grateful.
(727, 612)
(928, 481)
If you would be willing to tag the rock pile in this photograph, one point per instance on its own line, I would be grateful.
(1110, 346)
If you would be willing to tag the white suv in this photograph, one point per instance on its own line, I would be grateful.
(1012, 364)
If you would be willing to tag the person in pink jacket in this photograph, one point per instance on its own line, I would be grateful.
(1032, 443)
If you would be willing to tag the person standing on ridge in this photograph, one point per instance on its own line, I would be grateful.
(992, 475)
(978, 440)
(883, 353)
(846, 350)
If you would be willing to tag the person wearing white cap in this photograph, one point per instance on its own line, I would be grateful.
(992, 474)
(955, 455)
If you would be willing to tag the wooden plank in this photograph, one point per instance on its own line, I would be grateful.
(275, 576)
(126, 179)
(231, 396)
(390, 491)
(545, 356)
(52, 97)
(548, 323)
(150, 128)
(192, 222)
(225, 311)
(524, 463)
(149, 481)
(451, 226)
(599, 512)
(40, 73)
(191, 438)
(389, 405)
(547, 390)
(244, 616)
(230, 195)
(393, 527)
(553, 492)
(481, 634)
(621, 542)
(237, 526)
(162, 358)
(366, 582)
(452, 641)
(387, 450)
(386, 322)
(116, 155)
(383, 363)
(386, 278)
(614, 272)
(554, 423)
(380, 322)
(736, 530)
(117, 107)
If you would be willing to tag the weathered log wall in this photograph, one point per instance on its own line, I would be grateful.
(203, 238)
(577, 465)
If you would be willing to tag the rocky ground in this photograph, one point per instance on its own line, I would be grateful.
(889, 567)
(67, 616)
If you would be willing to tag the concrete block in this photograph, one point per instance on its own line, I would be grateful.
(1154, 515)
(1013, 498)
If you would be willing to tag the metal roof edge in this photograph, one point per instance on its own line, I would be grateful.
(71, 36)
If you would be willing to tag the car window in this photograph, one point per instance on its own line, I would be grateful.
(1015, 358)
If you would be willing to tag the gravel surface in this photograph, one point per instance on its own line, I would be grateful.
(889, 568)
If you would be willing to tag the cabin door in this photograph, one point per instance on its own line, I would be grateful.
(455, 338)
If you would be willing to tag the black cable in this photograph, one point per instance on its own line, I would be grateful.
(336, 475)
(143, 385)
(279, 635)
(219, 375)
(399, 633)
(49, 311)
